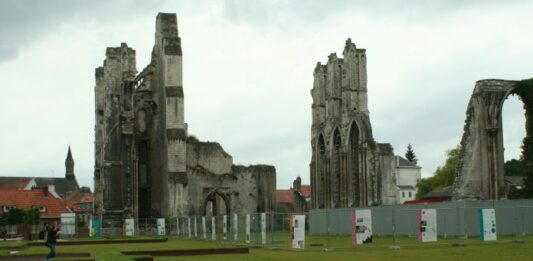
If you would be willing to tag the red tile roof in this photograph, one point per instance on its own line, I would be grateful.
(15, 184)
(285, 196)
(305, 190)
(25, 199)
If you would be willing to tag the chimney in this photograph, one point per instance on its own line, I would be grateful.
(45, 191)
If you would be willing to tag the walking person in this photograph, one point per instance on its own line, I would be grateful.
(51, 240)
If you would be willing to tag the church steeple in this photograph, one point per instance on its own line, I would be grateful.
(69, 166)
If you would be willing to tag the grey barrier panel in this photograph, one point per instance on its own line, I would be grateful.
(513, 217)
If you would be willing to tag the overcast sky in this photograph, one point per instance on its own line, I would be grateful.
(248, 69)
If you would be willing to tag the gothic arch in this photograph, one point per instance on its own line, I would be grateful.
(480, 171)
(336, 168)
(355, 178)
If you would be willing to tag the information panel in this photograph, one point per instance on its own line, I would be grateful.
(161, 227)
(129, 227)
(297, 231)
(361, 226)
(204, 227)
(427, 220)
(263, 228)
(224, 227)
(247, 228)
(487, 223)
(235, 227)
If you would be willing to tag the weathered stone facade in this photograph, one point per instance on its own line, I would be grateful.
(348, 168)
(146, 165)
(480, 171)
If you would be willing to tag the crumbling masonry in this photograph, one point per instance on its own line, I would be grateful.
(146, 165)
(348, 168)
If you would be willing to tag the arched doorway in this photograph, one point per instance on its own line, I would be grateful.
(217, 204)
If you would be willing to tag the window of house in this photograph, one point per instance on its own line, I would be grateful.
(7, 208)
(403, 194)
(410, 194)
(40, 208)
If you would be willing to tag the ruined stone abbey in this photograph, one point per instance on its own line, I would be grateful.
(348, 168)
(146, 164)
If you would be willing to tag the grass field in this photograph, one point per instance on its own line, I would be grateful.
(340, 249)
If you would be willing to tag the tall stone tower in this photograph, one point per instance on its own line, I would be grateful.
(347, 167)
(69, 166)
(146, 166)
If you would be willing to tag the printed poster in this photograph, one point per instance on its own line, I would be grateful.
(427, 220)
(204, 228)
(361, 226)
(263, 228)
(247, 228)
(213, 229)
(297, 231)
(487, 224)
(235, 227)
(129, 226)
(161, 227)
(94, 227)
(224, 227)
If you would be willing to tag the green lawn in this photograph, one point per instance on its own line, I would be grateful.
(340, 249)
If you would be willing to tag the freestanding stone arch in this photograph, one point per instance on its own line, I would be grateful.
(480, 171)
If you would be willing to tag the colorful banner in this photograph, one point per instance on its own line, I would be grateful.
(94, 228)
(263, 228)
(487, 223)
(224, 227)
(213, 229)
(247, 228)
(204, 232)
(129, 227)
(297, 231)
(427, 220)
(361, 226)
(235, 227)
(161, 227)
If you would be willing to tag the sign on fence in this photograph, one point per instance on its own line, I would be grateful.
(263, 228)
(68, 224)
(297, 231)
(161, 227)
(235, 227)
(224, 226)
(361, 226)
(487, 223)
(204, 232)
(247, 228)
(427, 220)
(94, 227)
(129, 227)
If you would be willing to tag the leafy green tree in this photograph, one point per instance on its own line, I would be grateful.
(410, 154)
(513, 168)
(15, 216)
(442, 177)
(32, 216)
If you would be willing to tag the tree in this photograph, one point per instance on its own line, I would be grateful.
(513, 168)
(15, 216)
(443, 175)
(85, 189)
(410, 154)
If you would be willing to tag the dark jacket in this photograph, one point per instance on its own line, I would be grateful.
(52, 236)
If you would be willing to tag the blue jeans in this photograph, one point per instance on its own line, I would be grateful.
(52, 253)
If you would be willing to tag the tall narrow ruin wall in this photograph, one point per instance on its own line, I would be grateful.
(480, 171)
